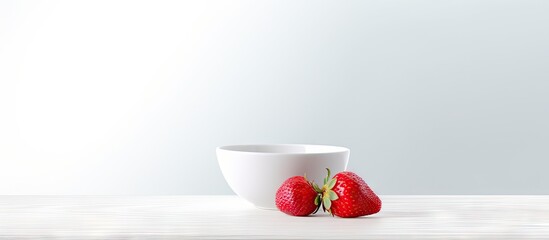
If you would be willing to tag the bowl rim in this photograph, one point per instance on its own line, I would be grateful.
(337, 149)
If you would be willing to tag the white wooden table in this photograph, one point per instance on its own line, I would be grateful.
(228, 217)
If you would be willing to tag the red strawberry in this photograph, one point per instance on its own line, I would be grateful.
(347, 195)
(297, 197)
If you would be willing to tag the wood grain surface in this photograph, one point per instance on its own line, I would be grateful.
(228, 217)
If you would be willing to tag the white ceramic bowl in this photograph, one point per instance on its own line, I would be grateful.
(255, 172)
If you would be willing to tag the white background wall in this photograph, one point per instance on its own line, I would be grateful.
(132, 97)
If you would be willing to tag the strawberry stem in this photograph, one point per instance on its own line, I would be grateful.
(320, 192)
(328, 195)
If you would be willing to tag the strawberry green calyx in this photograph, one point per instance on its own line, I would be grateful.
(328, 195)
(318, 197)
